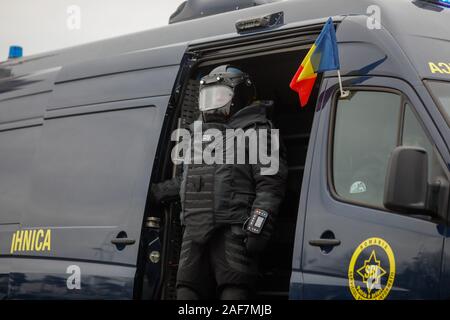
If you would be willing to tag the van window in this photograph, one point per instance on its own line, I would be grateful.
(414, 136)
(365, 133)
(441, 91)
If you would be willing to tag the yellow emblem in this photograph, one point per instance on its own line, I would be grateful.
(371, 272)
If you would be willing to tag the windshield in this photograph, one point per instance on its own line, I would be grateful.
(441, 92)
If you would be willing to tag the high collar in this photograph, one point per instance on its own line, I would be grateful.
(254, 113)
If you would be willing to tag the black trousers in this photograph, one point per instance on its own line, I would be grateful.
(212, 261)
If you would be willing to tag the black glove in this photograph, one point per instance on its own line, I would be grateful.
(166, 191)
(259, 228)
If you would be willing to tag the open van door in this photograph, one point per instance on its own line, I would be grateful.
(91, 174)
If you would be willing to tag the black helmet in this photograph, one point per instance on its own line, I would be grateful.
(223, 92)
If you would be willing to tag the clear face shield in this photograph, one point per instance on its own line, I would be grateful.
(215, 102)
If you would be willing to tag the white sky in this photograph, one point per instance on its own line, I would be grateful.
(45, 25)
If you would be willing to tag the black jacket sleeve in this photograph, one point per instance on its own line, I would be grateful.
(270, 191)
(270, 188)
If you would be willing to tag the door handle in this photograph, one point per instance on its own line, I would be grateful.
(123, 241)
(324, 242)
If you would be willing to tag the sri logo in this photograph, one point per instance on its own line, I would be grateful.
(371, 272)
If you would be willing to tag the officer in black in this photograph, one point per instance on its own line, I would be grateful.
(228, 209)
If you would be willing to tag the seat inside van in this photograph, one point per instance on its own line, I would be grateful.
(271, 74)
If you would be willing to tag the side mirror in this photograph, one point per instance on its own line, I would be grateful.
(406, 186)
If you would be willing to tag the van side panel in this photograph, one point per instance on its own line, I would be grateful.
(89, 183)
(22, 105)
(115, 87)
(89, 179)
(59, 281)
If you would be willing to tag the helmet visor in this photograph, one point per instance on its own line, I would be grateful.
(214, 97)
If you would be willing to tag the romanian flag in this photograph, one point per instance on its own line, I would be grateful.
(323, 56)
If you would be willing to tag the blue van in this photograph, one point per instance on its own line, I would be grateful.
(84, 131)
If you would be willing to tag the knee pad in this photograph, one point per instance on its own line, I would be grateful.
(186, 293)
(234, 293)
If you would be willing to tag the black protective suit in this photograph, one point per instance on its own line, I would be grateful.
(216, 201)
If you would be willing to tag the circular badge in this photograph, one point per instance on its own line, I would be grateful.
(371, 272)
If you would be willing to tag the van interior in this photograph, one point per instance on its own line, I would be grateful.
(271, 71)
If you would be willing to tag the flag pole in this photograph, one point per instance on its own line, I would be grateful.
(346, 93)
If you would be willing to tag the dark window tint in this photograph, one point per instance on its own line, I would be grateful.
(441, 91)
(414, 136)
(366, 131)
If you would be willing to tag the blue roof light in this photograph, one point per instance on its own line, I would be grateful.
(440, 2)
(15, 52)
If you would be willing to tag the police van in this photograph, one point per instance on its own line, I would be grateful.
(84, 131)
